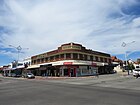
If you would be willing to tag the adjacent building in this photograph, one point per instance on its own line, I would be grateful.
(16, 68)
(138, 60)
(117, 63)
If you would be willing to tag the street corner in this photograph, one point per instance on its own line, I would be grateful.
(40, 78)
(61, 78)
(125, 74)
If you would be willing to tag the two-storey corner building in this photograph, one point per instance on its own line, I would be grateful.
(71, 60)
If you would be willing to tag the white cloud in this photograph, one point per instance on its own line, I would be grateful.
(136, 23)
(8, 53)
(44, 25)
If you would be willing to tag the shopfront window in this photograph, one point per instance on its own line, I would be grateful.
(85, 71)
(94, 70)
(78, 72)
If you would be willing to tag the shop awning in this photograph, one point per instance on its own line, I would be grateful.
(115, 63)
(20, 67)
(45, 66)
(33, 66)
(13, 68)
(105, 64)
(9, 69)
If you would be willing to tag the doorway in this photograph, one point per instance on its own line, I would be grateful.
(72, 72)
(66, 73)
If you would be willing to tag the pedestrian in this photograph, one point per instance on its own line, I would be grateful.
(137, 75)
(97, 74)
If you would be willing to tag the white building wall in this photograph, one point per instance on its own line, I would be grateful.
(137, 66)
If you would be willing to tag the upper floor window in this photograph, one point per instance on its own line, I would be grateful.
(75, 56)
(85, 57)
(91, 58)
(81, 56)
(57, 57)
(62, 56)
(109, 60)
(34, 61)
(38, 60)
(101, 59)
(29, 63)
(46, 59)
(105, 59)
(52, 58)
(68, 55)
(42, 60)
(88, 57)
(96, 58)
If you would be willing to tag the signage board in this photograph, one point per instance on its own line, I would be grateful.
(67, 63)
(71, 47)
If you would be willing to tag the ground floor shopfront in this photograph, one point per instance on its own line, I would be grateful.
(70, 69)
(13, 72)
(64, 68)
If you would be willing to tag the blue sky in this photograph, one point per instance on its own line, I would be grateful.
(43, 25)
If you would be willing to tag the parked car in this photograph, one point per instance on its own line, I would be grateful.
(14, 75)
(136, 72)
(28, 75)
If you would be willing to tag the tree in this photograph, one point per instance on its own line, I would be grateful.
(131, 66)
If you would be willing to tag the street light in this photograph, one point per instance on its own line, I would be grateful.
(18, 48)
(124, 45)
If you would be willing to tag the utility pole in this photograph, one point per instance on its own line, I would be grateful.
(125, 45)
(18, 48)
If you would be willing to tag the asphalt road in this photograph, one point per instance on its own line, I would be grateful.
(55, 92)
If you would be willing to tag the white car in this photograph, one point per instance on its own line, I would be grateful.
(28, 75)
(136, 72)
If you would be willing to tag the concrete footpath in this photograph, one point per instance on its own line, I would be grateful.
(120, 80)
(96, 78)
(105, 77)
(88, 79)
